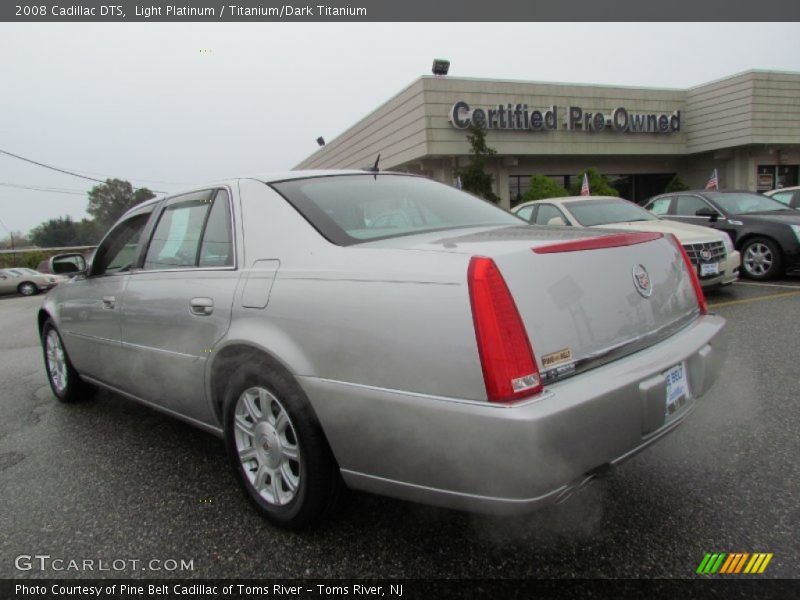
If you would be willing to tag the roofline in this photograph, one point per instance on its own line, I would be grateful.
(568, 83)
(364, 118)
(740, 74)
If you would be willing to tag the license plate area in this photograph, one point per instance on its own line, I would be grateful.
(709, 269)
(678, 393)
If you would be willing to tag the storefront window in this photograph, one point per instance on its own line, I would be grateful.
(770, 177)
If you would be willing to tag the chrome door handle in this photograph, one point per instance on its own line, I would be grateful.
(201, 306)
(109, 301)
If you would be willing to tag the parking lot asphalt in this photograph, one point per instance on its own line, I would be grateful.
(108, 479)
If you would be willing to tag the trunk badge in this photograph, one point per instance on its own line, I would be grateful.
(641, 281)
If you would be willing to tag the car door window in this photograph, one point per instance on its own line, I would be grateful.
(660, 207)
(784, 197)
(119, 249)
(193, 230)
(548, 212)
(525, 213)
(216, 249)
(176, 239)
(687, 206)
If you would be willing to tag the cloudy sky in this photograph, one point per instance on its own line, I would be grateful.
(171, 105)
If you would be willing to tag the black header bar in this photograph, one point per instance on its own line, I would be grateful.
(406, 10)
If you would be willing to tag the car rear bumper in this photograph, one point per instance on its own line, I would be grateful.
(511, 459)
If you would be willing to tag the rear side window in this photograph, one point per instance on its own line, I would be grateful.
(193, 230)
(548, 213)
(784, 197)
(349, 209)
(688, 206)
(216, 250)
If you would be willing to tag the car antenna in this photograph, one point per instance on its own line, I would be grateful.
(373, 168)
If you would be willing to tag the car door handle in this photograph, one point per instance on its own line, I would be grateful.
(201, 306)
(109, 302)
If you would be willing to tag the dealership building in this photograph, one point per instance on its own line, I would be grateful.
(746, 126)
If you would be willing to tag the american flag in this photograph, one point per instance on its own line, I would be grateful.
(713, 181)
(585, 185)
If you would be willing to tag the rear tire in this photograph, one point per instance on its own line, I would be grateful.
(761, 259)
(278, 449)
(64, 380)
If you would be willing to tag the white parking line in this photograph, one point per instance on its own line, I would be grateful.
(775, 285)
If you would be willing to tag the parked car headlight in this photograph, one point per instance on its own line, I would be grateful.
(726, 239)
(796, 229)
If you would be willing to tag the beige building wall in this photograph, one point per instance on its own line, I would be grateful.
(757, 107)
(733, 125)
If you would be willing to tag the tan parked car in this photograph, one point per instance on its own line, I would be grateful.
(21, 280)
(711, 252)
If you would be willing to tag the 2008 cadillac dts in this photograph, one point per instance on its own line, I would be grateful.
(388, 332)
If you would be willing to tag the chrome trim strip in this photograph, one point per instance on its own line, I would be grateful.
(161, 350)
(92, 338)
(454, 493)
(621, 350)
(545, 395)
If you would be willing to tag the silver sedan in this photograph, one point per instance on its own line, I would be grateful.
(24, 281)
(387, 333)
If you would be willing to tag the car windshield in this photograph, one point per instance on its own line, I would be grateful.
(741, 203)
(349, 209)
(606, 211)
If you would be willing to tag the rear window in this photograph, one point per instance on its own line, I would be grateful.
(607, 211)
(349, 209)
(741, 203)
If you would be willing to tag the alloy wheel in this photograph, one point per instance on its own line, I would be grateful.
(758, 259)
(56, 361)
(267, 446)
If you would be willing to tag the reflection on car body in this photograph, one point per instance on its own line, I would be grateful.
(400, 355)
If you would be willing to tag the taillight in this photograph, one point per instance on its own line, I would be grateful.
(509, 367)
(698, 290)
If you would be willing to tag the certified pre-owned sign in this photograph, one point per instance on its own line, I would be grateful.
(519, 117)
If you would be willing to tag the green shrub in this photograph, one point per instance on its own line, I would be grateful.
(542, 187)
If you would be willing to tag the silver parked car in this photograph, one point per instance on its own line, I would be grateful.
(21, 280)
(389, 333)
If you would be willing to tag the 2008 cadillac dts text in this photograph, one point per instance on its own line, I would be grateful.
(386, 332)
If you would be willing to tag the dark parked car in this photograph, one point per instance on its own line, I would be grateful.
(766, 232)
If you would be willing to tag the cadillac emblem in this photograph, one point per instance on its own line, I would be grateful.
(705, 254)
(641, 281)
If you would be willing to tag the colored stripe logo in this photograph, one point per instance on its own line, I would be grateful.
(734, 563)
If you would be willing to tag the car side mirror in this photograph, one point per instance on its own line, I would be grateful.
(712, 215)
(68, 264)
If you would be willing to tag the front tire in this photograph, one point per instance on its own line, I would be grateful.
(761, 259)
(277, 448)
(28, 288)
(64, 380)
